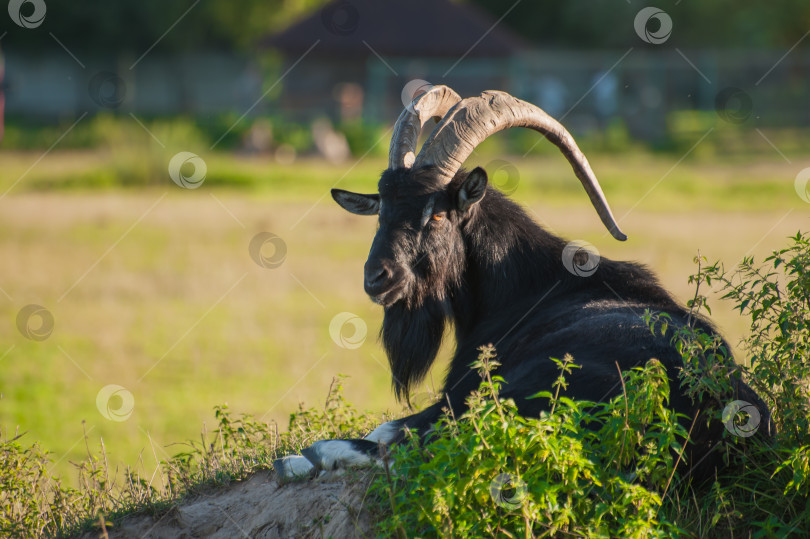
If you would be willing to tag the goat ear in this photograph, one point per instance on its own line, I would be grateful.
(357, 203)
(472, 189)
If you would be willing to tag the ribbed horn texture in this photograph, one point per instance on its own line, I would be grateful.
(432, 104)
(472, 120)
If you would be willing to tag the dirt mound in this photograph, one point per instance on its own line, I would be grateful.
(329, 506)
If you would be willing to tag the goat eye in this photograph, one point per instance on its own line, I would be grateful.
(437, 217)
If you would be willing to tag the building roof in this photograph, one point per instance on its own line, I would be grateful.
(437, 28)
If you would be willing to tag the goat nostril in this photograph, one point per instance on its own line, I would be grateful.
(376, 275)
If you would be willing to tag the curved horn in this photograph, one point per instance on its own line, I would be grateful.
(472, 120)
(432, 104)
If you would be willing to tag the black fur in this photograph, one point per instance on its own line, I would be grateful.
(499, 278)
(412, 337)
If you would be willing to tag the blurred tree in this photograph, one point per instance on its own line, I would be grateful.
(133, 26)
(609, 23)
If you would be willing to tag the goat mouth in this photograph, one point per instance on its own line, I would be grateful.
(389, 296)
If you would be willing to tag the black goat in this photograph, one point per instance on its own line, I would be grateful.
(449, 248)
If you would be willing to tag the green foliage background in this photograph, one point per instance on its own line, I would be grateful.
(132, 26)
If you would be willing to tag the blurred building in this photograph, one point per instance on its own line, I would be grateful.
(51, 86)
(353, 58)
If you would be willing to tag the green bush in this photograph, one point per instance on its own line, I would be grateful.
(581, 469)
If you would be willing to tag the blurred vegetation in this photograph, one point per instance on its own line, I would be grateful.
(132, 26)
(133, 156)
(732, 169)
(726, 24)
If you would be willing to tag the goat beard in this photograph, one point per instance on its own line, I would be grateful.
(412, 337)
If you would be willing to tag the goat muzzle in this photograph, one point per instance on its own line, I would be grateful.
(382, 282)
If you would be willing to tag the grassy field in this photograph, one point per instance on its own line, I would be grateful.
(154, 288)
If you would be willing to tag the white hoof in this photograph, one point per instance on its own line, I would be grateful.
(293, 467)
(334, 454)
